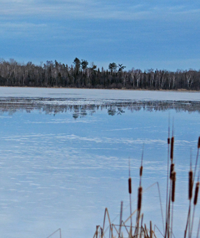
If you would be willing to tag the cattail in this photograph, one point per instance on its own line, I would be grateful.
(129, 186)
(172, 148)
(141, 170)
(190, 185)
(145, 231)
(139, 198)
(97, 227)
(151, 231)
(171, 170)
(173, 186)
(168, 141)
(199, 143)
(196, 193)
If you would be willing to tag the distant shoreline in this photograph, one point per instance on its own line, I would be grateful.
(79, 75)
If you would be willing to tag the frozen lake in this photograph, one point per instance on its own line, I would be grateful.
(98, 94)
(64, 157)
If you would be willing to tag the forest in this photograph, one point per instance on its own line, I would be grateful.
(80, 75)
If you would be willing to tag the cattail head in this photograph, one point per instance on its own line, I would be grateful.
(172, 148)
(168, 140)
(199, 143)
(129, 186)
(141, 170)
(171, 170)
(196, 193)
(173, 185)
(139, 205)
(190, 185)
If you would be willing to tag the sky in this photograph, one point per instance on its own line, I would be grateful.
(138, 34)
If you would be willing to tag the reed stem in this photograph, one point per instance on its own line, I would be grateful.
(198, 230)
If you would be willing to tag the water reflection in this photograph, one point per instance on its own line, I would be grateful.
(82, 108)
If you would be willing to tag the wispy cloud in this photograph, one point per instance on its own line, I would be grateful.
(20, 29)
(91, 10)
(132, 32)
(20, 25)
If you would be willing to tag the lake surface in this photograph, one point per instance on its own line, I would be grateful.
(64, 156)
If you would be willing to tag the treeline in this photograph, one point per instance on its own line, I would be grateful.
(80, 75)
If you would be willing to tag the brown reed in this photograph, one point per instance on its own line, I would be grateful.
(151, 231)
(139, 206)
(140, 230)
(129, 186)
(141, 170)
(196, 194)
(195, 203)
(198, 229)
(190, 185)
(172, 148)
(173, 186)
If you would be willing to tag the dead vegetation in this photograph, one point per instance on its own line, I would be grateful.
(126, 228)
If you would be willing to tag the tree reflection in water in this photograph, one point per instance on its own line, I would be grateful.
(80, 109)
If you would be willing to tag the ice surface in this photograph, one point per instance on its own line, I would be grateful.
(98, 94)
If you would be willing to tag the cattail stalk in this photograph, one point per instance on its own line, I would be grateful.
(172, 183)
(120, 219)
(190, 188)
(139, 206)
(167, 188)
(173, 186)
(190, 191)
(97, 227)
(190, 184)
(168, 213)
(196, 194)
(146, 232)
(173, 196)
(151, 232)
(197, 157)
(195, 203)
(172, 148)
(141, 171)
(129, 186)
(188, 220)
(130, 191)
(198, 230)
(141, 167)
(141, 225)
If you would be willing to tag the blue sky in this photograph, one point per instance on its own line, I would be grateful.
(140, 34)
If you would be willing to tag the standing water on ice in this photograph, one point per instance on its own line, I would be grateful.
(64, 157)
